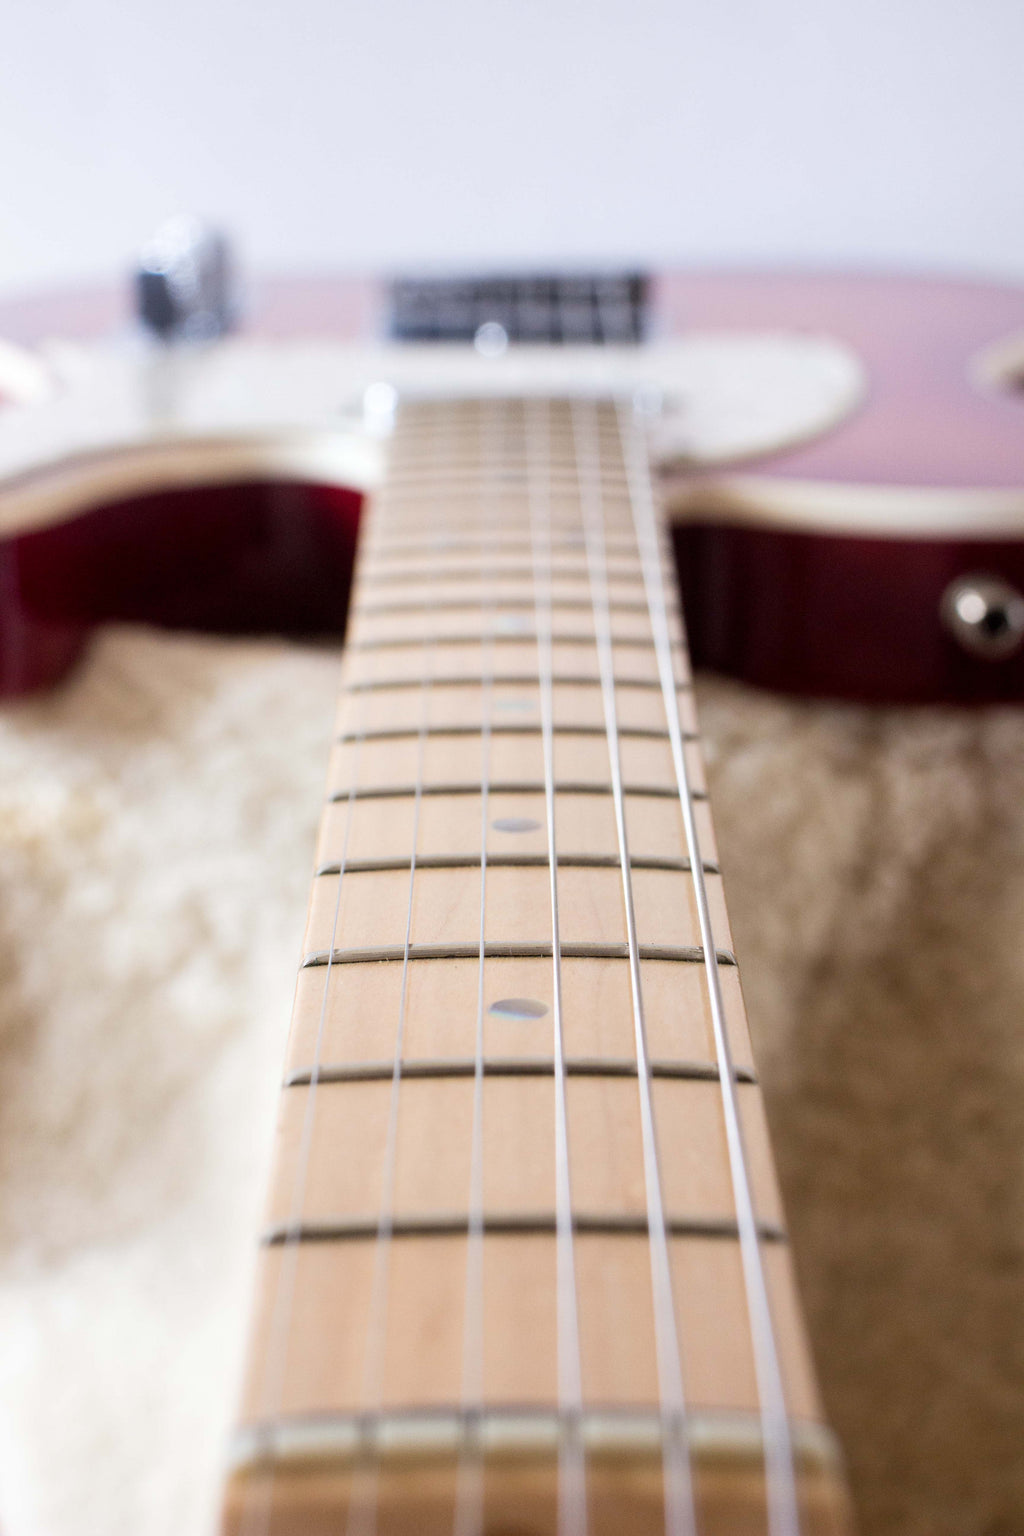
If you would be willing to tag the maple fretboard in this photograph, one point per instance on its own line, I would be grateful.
(524, 1266)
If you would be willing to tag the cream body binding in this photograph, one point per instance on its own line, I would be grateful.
(572, 1308)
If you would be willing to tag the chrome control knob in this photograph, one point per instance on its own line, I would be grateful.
(985, 615)
(183, 283)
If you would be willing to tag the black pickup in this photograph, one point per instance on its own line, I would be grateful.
(576, 309)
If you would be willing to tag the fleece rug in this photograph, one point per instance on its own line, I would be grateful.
(156, 828)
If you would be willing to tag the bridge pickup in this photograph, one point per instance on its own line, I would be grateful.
(548, 309)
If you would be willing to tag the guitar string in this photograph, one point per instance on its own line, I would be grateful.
(258, 1511)
(469, 1490)
(680, 1513)
(783, 1507)
(572, 1493)
(362, 1516)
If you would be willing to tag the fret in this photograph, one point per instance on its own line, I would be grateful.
(495, 547)
(511, 587)
(506, 1207)
(518, 596)
(576, 643)
(457, 523)
(461, 483)
(457, 556)
(469, 453)
(367, 908)
(575, 682)
(506, 1066)
(454, 758)
(447, 728)
(524, 950)
(450, 825)
(415, 451)
(409, 475)
(507, 861)
(384, 671)
(464, 465)
(564, 785)
(351, 1121)
(423, 1353)
(515, 656)
(504, 1223)
(577, 700)
(358, 825)
(514, 602)
(503, 629)
(459, 701)
(359, 1010)
(454, 570)
(356, 792)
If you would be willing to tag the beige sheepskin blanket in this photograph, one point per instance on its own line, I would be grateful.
(156, 828)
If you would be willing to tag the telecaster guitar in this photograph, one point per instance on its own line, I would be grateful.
(524, 1266)
(843, 464)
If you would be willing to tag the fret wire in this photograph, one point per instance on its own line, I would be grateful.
(680, 1511)
(517, 679)
(376, 610)
(572, 1488)
(461, 541)
(431, 507)
(509, 590)
(562, 518)
(511, 1066)
(404, 732)
(510, 787)
(508, 951)
(783, 1509)
(577, 571)
(506, 542)
(516, 1223)
(510, 861)
(396, 642)
(462, 476)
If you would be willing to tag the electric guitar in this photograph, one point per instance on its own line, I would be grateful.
(841, 462)
(524, 1264)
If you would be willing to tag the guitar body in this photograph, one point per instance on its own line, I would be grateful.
(243, 555)
(821, 570)
(816, 568)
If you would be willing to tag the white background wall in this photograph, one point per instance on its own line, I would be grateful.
(330, 135)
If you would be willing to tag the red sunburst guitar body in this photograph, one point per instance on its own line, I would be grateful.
(871, 549)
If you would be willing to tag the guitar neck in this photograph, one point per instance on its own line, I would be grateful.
(524, 1265)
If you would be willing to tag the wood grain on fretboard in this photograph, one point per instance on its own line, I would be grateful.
(503, 1104)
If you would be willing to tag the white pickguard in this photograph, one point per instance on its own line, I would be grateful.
(102, 423)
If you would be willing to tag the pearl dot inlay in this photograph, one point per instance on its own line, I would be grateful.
(518, 1008)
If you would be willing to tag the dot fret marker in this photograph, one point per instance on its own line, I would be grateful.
(518, 1008)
